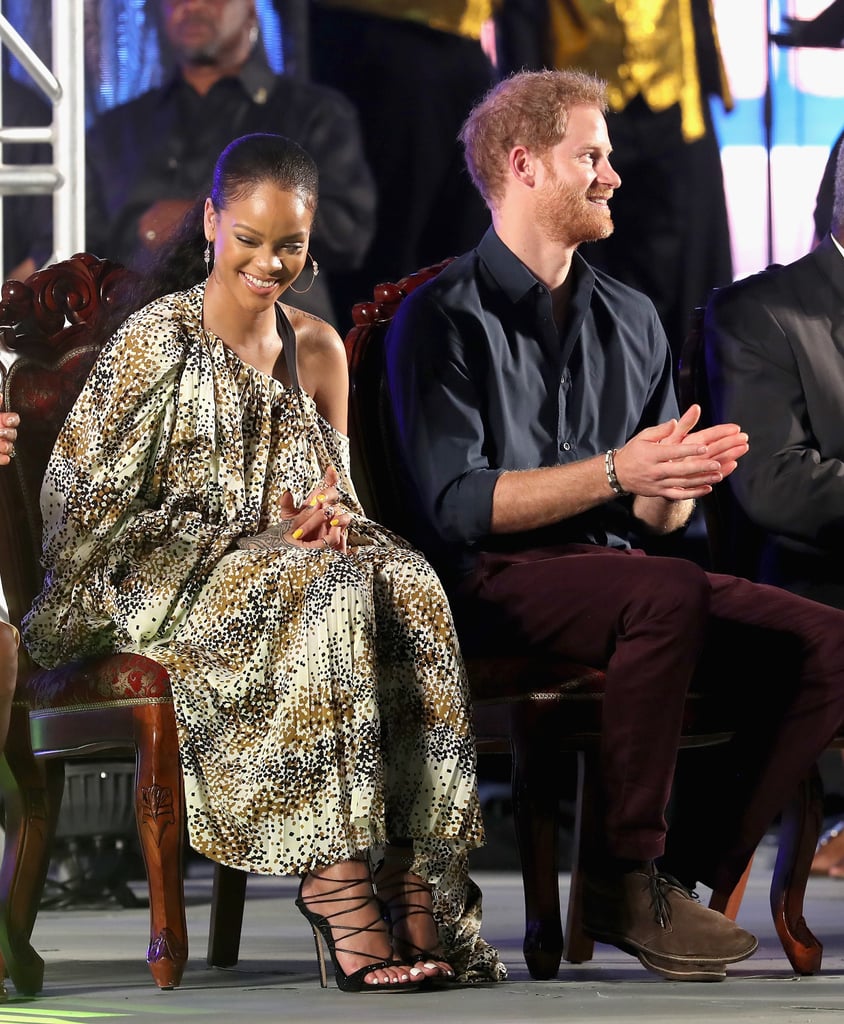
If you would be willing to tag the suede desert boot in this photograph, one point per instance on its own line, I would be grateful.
(655, 918)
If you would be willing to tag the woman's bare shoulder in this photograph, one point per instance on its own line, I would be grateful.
(314, 336)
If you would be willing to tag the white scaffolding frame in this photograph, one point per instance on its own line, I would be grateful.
(64, 87)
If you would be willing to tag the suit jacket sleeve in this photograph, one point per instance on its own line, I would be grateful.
(778, 370)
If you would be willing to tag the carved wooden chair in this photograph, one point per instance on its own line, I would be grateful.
(735, 545)
(529, 707)
(119, 703)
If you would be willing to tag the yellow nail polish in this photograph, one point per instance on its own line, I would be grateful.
(320, 497)
(335, 522)
(312, 502)
(298, 533)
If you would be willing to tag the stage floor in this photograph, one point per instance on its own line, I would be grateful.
(95, 970)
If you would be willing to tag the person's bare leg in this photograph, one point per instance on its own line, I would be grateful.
(408, 899)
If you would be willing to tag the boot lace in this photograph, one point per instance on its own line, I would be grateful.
(660, 886)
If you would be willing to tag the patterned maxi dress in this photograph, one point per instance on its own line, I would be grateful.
(320, 697)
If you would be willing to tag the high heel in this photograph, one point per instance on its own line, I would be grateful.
(322, 930)
(406, 895)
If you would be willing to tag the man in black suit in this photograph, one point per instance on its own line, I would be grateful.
(775, 359)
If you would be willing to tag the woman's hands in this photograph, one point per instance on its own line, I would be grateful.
(320, 521)
(9, 422)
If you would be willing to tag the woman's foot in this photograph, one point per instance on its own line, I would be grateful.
(829, 856)
(407, 897)
(359, 936)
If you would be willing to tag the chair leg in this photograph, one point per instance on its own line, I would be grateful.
(160, 815)
(536, 813)
(32, 794)
(227, 900)
(580, 947)
(800, 828)
(729, 903)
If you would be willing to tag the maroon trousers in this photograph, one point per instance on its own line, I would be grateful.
(656, 624)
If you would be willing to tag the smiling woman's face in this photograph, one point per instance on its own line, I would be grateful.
(260, 243)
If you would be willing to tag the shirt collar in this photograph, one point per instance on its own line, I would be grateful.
(256, 76)
(515, 279)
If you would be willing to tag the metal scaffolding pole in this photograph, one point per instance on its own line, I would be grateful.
(65, 90)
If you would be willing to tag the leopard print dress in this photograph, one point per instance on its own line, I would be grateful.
(320, 697)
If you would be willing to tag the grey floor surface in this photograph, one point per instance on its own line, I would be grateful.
(95, 970)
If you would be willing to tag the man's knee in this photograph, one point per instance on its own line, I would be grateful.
(677, 588)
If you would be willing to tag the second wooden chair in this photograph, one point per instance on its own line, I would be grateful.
(535, 709)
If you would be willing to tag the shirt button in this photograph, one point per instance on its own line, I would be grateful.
(565, 446)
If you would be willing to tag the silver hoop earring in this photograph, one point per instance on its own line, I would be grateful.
(315, 269)
(207, 257)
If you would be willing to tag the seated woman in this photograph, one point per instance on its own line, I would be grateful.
(198, 510)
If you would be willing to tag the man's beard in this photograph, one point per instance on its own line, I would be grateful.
(565, 215)
(200, 56)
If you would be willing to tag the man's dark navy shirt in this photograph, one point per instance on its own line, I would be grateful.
(483, 382)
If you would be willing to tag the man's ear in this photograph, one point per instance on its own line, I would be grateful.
(523, 165)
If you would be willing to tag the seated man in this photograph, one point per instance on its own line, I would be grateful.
(775, 358)
(535, 408)
(148, 159)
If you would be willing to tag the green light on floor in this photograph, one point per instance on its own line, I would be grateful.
(20, 1015)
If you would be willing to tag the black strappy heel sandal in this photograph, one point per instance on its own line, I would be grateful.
(322, 929)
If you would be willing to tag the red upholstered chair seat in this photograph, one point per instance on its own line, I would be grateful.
(116, 680)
